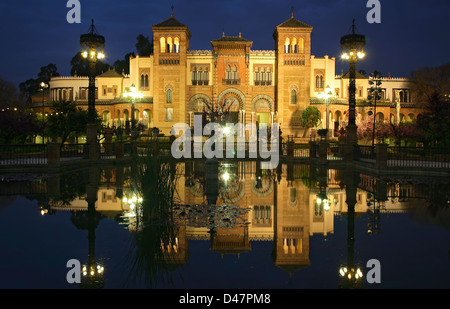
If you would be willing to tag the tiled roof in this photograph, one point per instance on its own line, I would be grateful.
(357, 75)
(110, 73)
(170, 22)
(231, 39)
(294, 23)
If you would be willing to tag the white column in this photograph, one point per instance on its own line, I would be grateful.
(252, 122)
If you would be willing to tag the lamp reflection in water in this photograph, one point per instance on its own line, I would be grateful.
(322, 200)
(133, 213)
(92, 273)
(350, 274)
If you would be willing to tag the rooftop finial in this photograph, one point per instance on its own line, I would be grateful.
(292, 12)
(223, 32)
(92, 26)
(353, 26)
(172, 9)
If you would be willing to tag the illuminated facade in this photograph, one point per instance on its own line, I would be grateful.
(264, 86)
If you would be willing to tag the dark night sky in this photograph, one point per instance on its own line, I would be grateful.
(412, 33)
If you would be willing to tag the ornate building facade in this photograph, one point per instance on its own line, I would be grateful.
(263, 86)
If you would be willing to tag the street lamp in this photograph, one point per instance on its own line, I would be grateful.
(325, 96)
(352, 49)
(374, 93)
(133, 94)
(92, 49)
(43, 87)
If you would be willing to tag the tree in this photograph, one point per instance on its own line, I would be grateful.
(9, 98)
(124, 65)
(32, 85)
(427, 83)
(16, 125)
(143, 46)
(435, 122)
(405, 131)
(365, 129)
(215, 112)
(431, 89)
(47, 72)
(67, 119)
(310, 118)
(16, 121)
(383, 130)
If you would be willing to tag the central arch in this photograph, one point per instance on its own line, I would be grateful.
(232, 91)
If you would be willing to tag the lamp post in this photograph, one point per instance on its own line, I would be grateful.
(43, 87)
(374, 93)
(133, 94)
(326, 96)
(352, 49)
(92, 49)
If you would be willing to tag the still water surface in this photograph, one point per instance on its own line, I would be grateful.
(231, 225)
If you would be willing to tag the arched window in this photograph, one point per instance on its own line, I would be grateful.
(176, 45)
(206, 76)
(287, 46)
(194, 76)
(169, 45)
(144, 81)
(300, 45)
(163, 44)
(228, 73)
(319, 80)
(200, 74)
(294, 46)
(293, 97)
(235, 73)
(169, 96)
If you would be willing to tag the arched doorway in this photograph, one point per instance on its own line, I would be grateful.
(234, 101)
(379, 117)
(137, 114)
(106, 117)
(147, 117)
(337, 122)
(118, 121)
(126, 116)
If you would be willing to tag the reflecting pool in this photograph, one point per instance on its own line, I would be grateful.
(223, 225)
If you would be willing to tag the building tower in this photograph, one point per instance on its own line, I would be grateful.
(293, 69)
(171, 43)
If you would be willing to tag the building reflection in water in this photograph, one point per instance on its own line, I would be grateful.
(230, 204)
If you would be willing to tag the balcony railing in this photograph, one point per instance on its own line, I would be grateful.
(231, 81)
(200, 82)
(263, 83)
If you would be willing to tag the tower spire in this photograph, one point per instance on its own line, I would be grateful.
(292, 12)
(172, 9)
